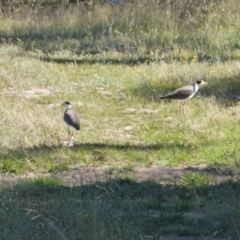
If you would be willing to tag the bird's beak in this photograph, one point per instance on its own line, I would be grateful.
(204, 83)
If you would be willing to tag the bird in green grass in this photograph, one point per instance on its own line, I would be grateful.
(184, 93)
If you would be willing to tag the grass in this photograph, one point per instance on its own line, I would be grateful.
(132, 32)
(123, 121)
(124, 125)
(112, 62)
(119, 209)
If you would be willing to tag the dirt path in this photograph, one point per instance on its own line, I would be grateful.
(89, 175)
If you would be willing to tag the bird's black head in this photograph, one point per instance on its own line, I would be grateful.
(199, 82)
(67, 102)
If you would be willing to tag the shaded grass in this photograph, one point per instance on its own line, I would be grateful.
(119, 209)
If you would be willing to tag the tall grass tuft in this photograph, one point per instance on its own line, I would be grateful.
(183, 31)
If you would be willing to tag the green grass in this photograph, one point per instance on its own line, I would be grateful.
(123, 121)
(112, 62)
(118, 209)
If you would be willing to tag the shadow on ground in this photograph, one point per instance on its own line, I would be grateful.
(59, 157)
(90, 146)
(106, 203)
(21, 152)
(120, 207)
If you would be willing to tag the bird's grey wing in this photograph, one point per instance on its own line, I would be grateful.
(180, 93)
(72, 119)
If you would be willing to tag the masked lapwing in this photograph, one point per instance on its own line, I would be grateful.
(71, 118)
(184, 93)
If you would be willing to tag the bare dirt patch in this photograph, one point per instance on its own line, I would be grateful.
(31, 93)
(37, 92)
(77, 176)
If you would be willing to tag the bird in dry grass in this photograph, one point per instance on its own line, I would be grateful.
(71, 118)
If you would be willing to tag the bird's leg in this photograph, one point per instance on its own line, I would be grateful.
(182, 108)
(68, 134)
(72, 136)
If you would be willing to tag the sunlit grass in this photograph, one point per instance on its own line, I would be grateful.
(122, 118)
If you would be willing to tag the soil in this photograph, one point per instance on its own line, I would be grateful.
(76, 176)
